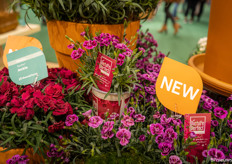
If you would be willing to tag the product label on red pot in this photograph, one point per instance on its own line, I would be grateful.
(104, 71)
(199, 124)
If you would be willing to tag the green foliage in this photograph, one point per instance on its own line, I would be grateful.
(112, 158)
(90, 11)
(124, 76)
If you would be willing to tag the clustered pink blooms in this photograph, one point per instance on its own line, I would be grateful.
(165, 134)
(208, 103)
(95, 121)
(120, 59)
(17, 159)
(104, 39)
(90, 44)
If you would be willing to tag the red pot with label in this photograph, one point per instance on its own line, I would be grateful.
(110, 103)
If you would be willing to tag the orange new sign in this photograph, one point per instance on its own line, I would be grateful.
(15, 43)
(179, 87)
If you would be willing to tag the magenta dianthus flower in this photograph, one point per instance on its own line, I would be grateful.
(142, 138)
(76, 54)
(156, 128)
(214, 123)
(174, 159)
(108, 126)
(95, 121)
(229, 123)
(139, 118)
(71, 46)
(124, 135)
(192, 135)
(90, 44)
(215, 153)
(87, 113)
(166, 148)
(127, 121)
(70, 119)
(83, 33)
(220, 112)
(205, 153)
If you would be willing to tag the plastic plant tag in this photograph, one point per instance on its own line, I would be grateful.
(27, 65)
(15, 43)
(199, 124)
(104, 71)
(179, 87)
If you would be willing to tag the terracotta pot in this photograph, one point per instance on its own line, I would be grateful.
(8, 19)
(34, 158)
(110, 103)
(215, 66)
(58, 29)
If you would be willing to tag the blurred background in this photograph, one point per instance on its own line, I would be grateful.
(180, 46)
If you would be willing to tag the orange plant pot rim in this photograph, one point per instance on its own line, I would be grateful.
(216, 85)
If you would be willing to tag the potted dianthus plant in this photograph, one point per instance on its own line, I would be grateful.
(107, 68)
(33, 116)
(72, 17)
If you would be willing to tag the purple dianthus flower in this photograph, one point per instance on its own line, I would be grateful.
(70, 119)
(142, 138)
(229, 123)
(214, 123)
(156, 128)
(216, 154)
(139, 118)
(124, 135)
(174, 159)
(166, 148)
(127, 121)
(95, 121)
(220, 112)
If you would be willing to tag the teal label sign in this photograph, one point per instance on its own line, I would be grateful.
(27, 65)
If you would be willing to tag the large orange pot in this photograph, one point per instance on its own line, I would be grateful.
(58, 29)
(34, 158)
(215, 66)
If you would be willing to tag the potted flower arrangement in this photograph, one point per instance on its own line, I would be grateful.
(72, 17)
(106, 57)
(33, 116)
(148, 136)
(144, 133)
